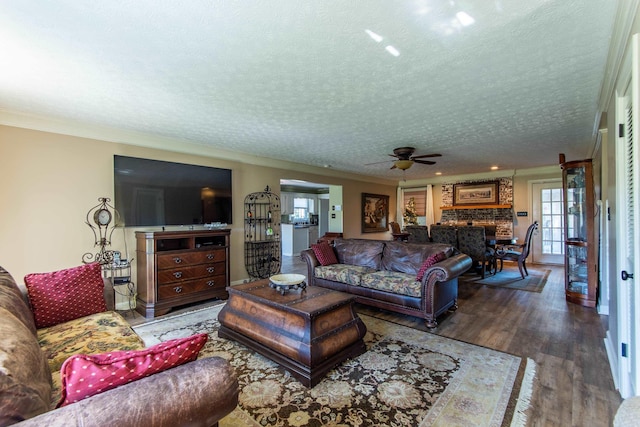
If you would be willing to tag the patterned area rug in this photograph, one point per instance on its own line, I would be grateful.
(406, 378)
(510, 278)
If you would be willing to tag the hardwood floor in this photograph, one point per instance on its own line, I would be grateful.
(573, 385)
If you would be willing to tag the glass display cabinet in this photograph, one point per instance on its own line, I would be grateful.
(581, 267)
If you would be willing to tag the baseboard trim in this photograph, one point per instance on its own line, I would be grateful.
(610, 347)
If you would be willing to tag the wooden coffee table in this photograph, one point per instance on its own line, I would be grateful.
(308, 332)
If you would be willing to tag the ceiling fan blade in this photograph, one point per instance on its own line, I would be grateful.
(393, 167)
(377, 163)
(426, 155)
(424, 162)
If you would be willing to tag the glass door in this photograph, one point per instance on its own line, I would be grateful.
(548, 243)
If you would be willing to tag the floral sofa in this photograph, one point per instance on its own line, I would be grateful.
(32, 362)
(416, 279)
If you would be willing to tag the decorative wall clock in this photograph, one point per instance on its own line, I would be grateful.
(103, 220)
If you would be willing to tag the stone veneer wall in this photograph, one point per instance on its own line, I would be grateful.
(502, 218)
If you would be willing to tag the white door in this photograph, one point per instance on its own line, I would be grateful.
(627, 176)
(547, 245)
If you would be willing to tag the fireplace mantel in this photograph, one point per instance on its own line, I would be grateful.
(448, 208)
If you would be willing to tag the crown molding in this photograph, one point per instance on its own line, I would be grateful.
(626, 13)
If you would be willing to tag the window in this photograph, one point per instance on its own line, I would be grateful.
(301, 208)
(415, 200)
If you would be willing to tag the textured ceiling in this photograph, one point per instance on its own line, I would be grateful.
(339, 83)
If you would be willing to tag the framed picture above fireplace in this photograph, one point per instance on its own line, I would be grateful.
(481, 193)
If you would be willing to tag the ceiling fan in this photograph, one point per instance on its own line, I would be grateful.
(405, 159)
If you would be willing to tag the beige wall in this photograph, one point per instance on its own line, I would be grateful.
(50, 181)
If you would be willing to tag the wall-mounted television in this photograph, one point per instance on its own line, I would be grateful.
(157, 193)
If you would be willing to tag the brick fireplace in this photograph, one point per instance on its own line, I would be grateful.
(501, 216)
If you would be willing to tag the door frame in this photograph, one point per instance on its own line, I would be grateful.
(628, 95)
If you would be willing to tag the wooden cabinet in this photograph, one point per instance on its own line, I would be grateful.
(178, 268)
(581, 261)
(313, 235)
(287, 203)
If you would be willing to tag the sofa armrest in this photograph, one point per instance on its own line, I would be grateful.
(312, 262)
(198, 393)
(448, 269)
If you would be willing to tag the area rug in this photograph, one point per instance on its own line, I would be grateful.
(405, 378)
(510, 278)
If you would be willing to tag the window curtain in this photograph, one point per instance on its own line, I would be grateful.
(429, 214)
(399, 206)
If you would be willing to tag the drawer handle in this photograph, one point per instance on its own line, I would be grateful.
(210, 256)
(178, 289)
(177, 260)
(210, 270)
(211, 282)
(178, 274)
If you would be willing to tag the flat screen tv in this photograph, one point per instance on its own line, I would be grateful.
(158, 193)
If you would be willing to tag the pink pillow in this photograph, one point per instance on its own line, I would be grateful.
(324, 253)
(429, 262)
(85, 375)
(65, 295)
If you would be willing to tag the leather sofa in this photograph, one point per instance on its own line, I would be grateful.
(384, 274)
(198, 393)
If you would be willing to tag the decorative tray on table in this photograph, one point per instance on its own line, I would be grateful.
(283, 283)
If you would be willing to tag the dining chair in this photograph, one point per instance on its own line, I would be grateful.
(472, 241)
(490, 229)
(397, 233)
(444, 234)
(417, 233)
(517, 253)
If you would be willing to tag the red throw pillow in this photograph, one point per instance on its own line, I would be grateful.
(65, 295)
(85, 375)
(324, 253)
(429, 262)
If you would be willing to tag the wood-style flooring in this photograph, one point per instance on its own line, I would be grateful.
(573, 385)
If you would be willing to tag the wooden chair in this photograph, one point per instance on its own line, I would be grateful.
(517, 253)
(397, 233)
(329, 237)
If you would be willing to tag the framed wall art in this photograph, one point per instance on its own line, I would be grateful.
(484, 193)
(375, 213)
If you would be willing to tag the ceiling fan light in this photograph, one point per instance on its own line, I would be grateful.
(403, 164)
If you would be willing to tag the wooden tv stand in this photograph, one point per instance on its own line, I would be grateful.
(175, 268)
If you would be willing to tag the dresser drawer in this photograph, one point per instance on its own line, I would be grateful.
(178, 289)
(178, 259)
(191, 272)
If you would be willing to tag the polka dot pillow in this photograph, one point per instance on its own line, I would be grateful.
(85, 375)
(65, 295)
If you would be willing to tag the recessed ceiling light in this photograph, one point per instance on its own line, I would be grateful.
(376, 37)
(392, 50)
(494, 168)
(465, 19)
